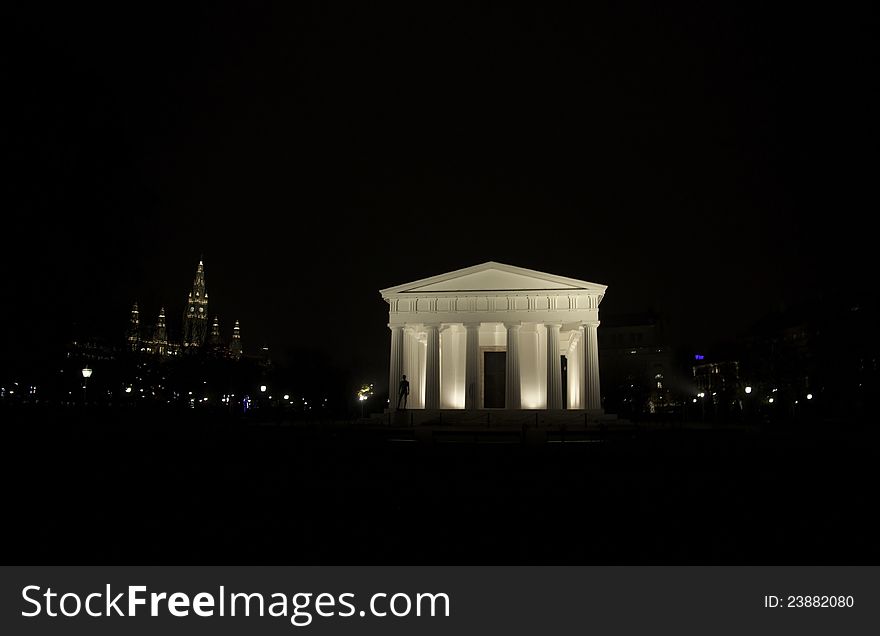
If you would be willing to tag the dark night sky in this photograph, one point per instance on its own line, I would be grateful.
(712, 163)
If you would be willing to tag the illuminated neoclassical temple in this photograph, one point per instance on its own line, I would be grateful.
(496, 336)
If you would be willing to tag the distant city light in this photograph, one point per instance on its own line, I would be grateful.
(262, 388)
(87, 372)
(701, 394)
(699, 356)
(695, 400)
(286, 396)
(809, 396)
(748, 389)
(770, 400)
(128, 389)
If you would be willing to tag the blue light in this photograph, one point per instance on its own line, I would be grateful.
(699, 356)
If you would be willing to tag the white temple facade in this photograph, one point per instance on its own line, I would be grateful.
(495, 336)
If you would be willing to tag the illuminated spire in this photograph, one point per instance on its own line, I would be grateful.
(215, 332)
(195, 314)
(161, 335)
(235, 345)
(134, 325)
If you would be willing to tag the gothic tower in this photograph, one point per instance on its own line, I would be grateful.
(214, 340)
(235, 345)
(195, 314)
(133, 337)
(161, 335)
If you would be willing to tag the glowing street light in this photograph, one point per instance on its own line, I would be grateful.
(87, 373)
(770, 401)
(701, 394)
(809, 396)
(748, 389)
(262, 388)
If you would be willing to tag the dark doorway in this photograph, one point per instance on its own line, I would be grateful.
(564, 382)
(494, 370)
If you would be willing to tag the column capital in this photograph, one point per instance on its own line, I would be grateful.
(392, 326)
(471, 325)
(589, 323)
(512, 325)
(553, 325)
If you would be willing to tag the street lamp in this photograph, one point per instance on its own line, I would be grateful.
(87, 373)
(748, 389)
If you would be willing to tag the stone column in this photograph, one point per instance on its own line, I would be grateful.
(593, 400)
(513, 383)
(472, 354)
(396, 366)
(554, 367)
(432, 368)
(575, 392)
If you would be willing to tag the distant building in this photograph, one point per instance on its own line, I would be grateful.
(718, 391)
(154, 339)
(639, 373)
(717, 378)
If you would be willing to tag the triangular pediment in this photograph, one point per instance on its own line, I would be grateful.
(493, 277)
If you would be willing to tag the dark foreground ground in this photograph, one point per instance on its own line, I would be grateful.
(163, 488)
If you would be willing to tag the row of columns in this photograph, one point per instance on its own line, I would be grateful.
(590, 397)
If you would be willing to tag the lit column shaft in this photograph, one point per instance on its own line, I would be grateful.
(554, 367)
(591, 366)
(432, 368)
(472, 352)
(513, 384)
(396, 366)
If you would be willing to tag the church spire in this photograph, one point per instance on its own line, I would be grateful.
(195, 315)
(235, 345)
(214, 340)
(132, 337)
(161, 335)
